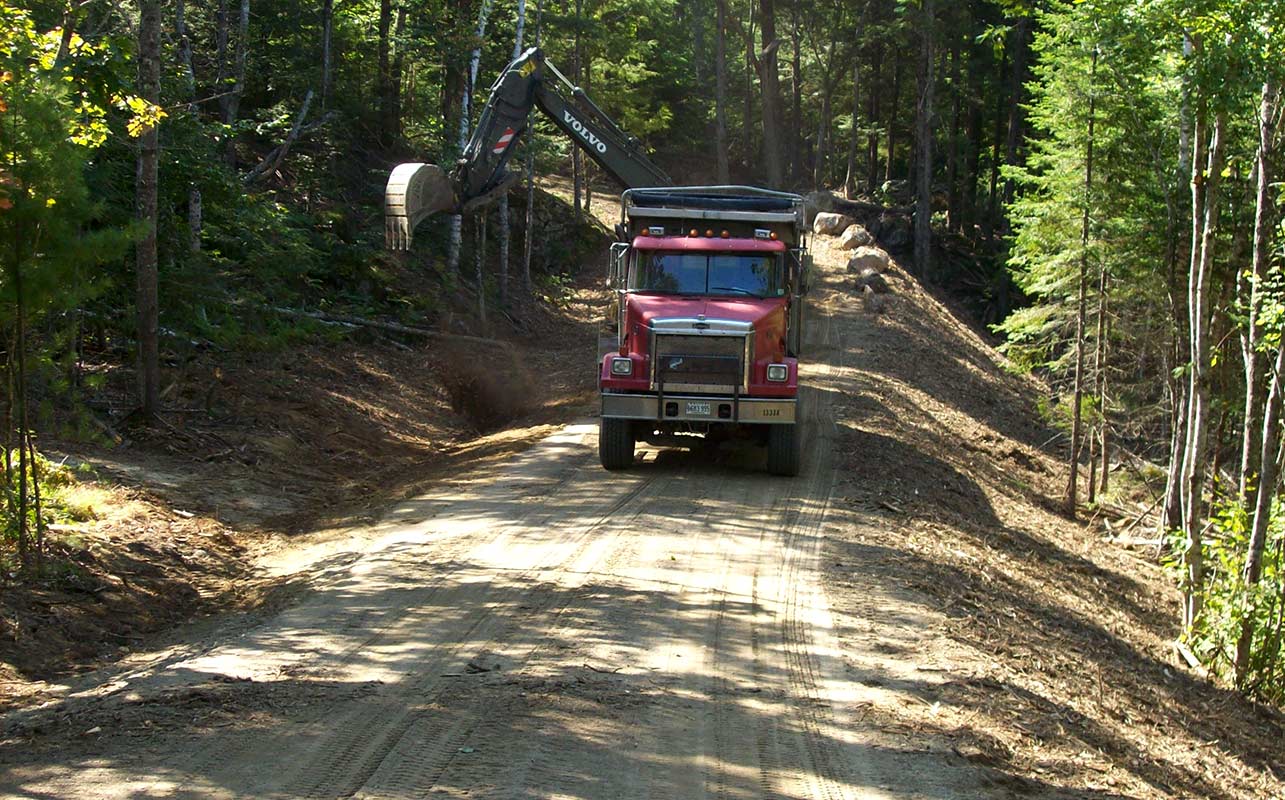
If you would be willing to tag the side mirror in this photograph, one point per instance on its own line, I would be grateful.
(616, 265)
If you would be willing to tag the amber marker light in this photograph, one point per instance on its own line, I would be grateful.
(726, 235)
(772, 235)
(694, 232)
(709, 232)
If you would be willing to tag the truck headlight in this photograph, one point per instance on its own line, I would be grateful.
(622, 366)
(778, 373)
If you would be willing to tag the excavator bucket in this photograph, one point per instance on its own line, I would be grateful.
(414, 193)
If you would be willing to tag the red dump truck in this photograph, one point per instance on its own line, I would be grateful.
(710, 279)
(710, 284)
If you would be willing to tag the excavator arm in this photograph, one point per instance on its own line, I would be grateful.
(417, 191)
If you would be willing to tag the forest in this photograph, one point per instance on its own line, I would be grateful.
(1097, 182)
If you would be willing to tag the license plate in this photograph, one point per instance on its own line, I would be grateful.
(698, 409)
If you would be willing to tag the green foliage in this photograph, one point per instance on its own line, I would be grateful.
(1110, 52)
(48, 127)
(54, 482)
(1229, 602)
(1058, 412)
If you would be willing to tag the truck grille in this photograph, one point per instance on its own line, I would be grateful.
(700, 363)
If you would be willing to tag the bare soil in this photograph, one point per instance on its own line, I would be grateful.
(276, 451)
(1075, 688)
(911, 618)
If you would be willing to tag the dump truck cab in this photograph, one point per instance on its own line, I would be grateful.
(710, 284)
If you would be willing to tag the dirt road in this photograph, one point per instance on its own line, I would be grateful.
(545, 630)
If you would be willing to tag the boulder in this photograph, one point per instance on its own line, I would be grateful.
(869, 278)
(855, 236)
(894, 231)
(831, 224)
(815, 203)
(871, 258)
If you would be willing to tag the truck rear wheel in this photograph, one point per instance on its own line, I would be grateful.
(615, 443)
(783, 450)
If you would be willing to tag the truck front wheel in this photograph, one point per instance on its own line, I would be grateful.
(615, 443)
(783, 450)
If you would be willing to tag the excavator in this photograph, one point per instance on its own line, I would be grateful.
(416, 191)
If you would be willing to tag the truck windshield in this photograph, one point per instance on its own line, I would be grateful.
(733, 274)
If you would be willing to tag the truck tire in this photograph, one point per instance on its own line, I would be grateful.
(615, 443)
(783, 450)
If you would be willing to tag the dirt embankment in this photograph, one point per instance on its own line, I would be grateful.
(263, 451)
(1075, 686)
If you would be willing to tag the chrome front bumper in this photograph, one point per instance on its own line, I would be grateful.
(696, 408)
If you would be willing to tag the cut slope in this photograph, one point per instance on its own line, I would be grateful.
(1071, 686)
(257, 451)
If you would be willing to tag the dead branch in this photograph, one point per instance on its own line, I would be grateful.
(272, 162)
(861, 206)
(592, 668)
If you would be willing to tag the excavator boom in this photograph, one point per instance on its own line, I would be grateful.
(417, 191)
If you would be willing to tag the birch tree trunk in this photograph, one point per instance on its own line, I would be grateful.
(233, 106)
(504, 200)
(146, 299)
(589, 166)
(1255, 386)
(577, 170)
(221, 55)
(1205, 184)
(530, 176)
(923, 133)
(1171, 517)
(1261, 519)
(185, 51)
(466, 107)
(1268, 441)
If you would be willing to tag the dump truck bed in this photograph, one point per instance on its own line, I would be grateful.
(740, 210)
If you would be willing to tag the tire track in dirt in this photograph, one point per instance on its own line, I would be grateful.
(402, 741)
(409, 771)
(661, 633)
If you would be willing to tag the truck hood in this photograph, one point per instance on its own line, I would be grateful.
(646, 308)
